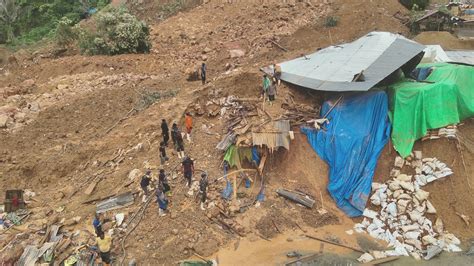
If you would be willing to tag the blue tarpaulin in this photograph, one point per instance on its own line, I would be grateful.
(351, 143)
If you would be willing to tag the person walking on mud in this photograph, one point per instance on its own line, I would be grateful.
(144, 183)
(203, 183)
(180, 145)
(188, 170)
(104, 244)
(265, 86)
(203, 73)
(188, 122)
(174, 134)
(163, 157)
(165, 132)
(272, 92)
(163, 182)
(162, 201)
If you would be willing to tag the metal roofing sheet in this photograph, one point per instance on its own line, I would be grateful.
(378, 54)
(466, 57)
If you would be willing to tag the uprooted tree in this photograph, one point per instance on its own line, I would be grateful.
(115, 31)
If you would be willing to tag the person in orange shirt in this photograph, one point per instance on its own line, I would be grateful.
(188, 121)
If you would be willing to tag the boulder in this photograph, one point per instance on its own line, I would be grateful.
(3, 121)
(134, 174)
(236, 53)
(28, 83)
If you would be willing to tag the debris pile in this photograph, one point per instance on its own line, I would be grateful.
(401, 218)
(449, 132)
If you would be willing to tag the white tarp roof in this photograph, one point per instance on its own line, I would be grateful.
(378, 54)
(433, 54)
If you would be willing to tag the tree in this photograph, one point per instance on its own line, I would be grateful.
(421, 4)
(8, 14)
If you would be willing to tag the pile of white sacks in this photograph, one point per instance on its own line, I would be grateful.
(402, 207)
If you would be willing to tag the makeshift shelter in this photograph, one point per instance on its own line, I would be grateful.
(356, 66)
(351, 144)
(446, 97)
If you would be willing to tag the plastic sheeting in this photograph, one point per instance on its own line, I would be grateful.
(417, 107)
(358, 130)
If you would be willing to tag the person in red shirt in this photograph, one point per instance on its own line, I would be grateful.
(188, 121)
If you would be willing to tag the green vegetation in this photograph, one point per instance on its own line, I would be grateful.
(116, 31)
(171, 8)
(415, 4)
(331, 21)
(24, 22)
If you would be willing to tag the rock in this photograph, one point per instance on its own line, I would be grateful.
(33, 107)
(3, 121)
(28, 83)
(203, 57)
(62, 86)
(399, 162)
(134, 174)
(207, 50)
(236, 53)
(20, 117)
(421, 195)
(432, 251)
(418, 155)
(366, 257)
(175, 231)
(404, 177)
(439, 226)
(430, 208)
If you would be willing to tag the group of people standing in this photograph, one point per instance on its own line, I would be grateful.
(163, 189)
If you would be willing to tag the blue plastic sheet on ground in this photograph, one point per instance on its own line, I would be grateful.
(255, 156)
(357, 131)
(227, 191)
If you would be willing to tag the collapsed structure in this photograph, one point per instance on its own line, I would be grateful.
(380, 92)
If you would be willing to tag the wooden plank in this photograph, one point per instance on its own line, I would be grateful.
(381, 261)
(334, 243)
(92, 186)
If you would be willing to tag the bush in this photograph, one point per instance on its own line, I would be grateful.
(116, 32)
(331, 21)
(65, 33)
(419, 4)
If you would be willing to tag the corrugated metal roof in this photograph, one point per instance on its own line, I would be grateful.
(377, 55)
(465, 57)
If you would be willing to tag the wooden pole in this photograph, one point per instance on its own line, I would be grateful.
(334, 243)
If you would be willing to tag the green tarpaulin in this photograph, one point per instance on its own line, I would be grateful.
(235, 155)
(417, 107)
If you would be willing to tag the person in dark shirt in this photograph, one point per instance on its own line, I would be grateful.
(163, 157)
(144, 183)
(203, 73)
(162, 201)
(203, 183)
(97, 224)
(163, 181)
(180, 145)
(188, 170)
(165, 132)
(174, 134)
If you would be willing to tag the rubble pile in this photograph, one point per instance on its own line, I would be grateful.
(401, 212)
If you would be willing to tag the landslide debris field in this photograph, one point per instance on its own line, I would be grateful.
(79, 120)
